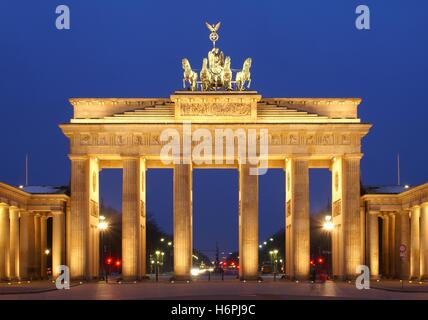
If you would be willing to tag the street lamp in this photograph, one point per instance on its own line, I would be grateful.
(328, 224)
(47, 252)
(103, 226)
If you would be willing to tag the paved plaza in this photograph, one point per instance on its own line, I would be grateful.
(215, 290)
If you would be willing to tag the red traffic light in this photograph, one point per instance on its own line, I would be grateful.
(320, 260)
(109, 261)
(117, 263)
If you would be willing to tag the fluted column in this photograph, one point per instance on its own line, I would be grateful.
(248, 224)
(347, 245)
(373, 235)
(415, 243)
(58, 241)
(182, 221)
(37, 246)
(14, 242)
(4, 242)
(402, 227)
(133, 219)
(27, 247)
(297, 218)
(392, 249)
(385, 246)
(424, 242)
(43, 246)
(84, 218)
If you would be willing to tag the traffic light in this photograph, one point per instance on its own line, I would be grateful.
(118, 263)
(320, 260)
(109, 261)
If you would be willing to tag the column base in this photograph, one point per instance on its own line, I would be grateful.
(182, 278)
(250, 278)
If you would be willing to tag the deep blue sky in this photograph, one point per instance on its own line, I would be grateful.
(133, 49)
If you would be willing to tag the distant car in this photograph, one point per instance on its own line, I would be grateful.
(267, 268)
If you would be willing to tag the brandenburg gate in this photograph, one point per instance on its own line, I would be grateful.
(301, 133)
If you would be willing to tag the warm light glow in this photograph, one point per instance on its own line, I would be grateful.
(162, 239)
(195, 271)
(275, 251)
(103, 226)
(327, 218)
(406, 186)
(102, 218)
(265, 243)
(47, 251)
(328, 226)
(170, 243)
(157, 252)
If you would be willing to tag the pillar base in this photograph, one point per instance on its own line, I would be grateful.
(184, 278)
(250, 278)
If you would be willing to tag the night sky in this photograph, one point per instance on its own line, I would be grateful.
(134, 49)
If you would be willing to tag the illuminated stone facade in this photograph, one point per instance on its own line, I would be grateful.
(23, 231)
(303, 134)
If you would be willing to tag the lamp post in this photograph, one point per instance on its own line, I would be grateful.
(103, 226)
(273, 256)
(170, 255)
(328, 226)
(157, 264)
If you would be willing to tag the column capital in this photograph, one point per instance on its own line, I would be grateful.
(424, 205)
(4, 205)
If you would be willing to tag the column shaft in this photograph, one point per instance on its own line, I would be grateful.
(37, 246)
(385, 246)
(4, 242)
(347, 244)
(424, 242)
(27, 247)
(182, 221)
(248, 224)
(415, 243)
(392, 249)
(84, 218)
(402, 228)
(43, 246)
(133, 219)
(14, 242)
(297, 219)
(58, 241)
(374, 244)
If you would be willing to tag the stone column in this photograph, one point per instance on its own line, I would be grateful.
(43, 246)
(37, 246)
(14, 242)
(392, 249)
(415, 243)
(58, 241)
(248, 224)
(347, 246)
(27, 247)
(385, 246)
(402, 227)
(374, 243)
(84, 216)
(182, 221)
(133, 219)
(4, 242)
(297, 219)
(424, 242)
